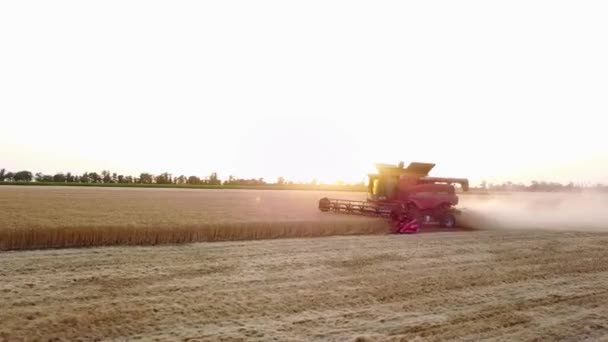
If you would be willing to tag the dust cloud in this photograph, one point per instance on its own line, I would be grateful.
(550, 211)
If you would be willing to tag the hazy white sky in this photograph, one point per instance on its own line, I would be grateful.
(490, 90)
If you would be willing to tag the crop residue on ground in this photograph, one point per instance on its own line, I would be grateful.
(484, 285)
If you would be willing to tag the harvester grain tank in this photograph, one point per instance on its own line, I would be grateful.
(407, 195)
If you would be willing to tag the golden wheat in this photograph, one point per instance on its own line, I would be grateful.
(41, 217)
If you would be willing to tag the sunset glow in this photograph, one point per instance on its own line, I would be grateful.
(306, 90)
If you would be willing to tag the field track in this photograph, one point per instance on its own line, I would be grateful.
(479, 285)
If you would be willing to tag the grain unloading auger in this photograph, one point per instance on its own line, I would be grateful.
(406, 195)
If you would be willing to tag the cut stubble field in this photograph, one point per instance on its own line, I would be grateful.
(474, 286)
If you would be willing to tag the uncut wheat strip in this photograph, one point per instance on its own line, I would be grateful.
(64, 237)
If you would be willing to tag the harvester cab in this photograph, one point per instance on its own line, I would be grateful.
(395, 182)
(408, 192)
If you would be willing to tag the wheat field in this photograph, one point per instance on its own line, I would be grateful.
(55, 217)
(516, 277)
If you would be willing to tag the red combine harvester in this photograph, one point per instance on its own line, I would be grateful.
(407, 195)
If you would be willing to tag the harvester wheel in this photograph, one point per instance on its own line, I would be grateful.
(324, 204)
(397, 212)
(447, 221)
(413, 211)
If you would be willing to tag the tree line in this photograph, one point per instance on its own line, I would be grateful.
(537, 186)
(107, 177)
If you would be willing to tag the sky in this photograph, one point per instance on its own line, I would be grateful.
(489, 90)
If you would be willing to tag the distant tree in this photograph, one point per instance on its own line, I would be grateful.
(484, 185)
(164, 178)
(94, 177)
(69, 177)
(214, 180)
(180, 180)
(59, 178)
(120, 179)
(193, 180)
(535, 186)
(145, 178)
(239, 181)
(2, 174)
(40, 177)
(114, 178)
(105, 176)
(231, 180)
(85, 178)
(9, 176)
(281, 181)
(22, 176)
(129, 179)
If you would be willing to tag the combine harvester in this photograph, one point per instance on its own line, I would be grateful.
(408, 196)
